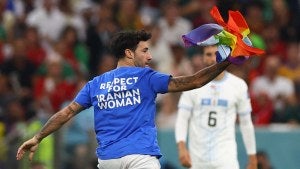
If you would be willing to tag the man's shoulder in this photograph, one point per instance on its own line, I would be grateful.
(236, 78)
(124, 72)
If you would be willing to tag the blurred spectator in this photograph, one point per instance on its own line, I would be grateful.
(161, 52)
(73, 50)
(70, 65)
(278, 88)
(291, 68)
(172, 24)
(48, 19)
(34, 49)
(73, 19)
(86, 9)
(254, 15)
(263, 161)
(274, 44)
(149, 11)
(20, 71)
(284, 17)
(128, 16)
(51, 90)
(81, 7)
(22, 8)
(198, 11)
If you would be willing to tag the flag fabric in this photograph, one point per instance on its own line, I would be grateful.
(233, 34)
(202, 35)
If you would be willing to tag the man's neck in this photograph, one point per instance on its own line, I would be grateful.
(124, 62)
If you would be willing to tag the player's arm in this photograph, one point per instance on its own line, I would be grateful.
(252, 161)
(248, 134)
(184, 155)
(53, 124)
(199, 79)
(181, 130)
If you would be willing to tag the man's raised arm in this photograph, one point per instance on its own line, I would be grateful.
(199, 79)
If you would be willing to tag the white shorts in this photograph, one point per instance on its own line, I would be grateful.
(134, 161)
(216, 165)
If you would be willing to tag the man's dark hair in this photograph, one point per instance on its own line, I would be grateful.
(127, 40)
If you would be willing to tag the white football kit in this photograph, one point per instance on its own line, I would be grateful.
(208, 116)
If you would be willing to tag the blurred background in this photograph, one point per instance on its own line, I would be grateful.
(50, 48)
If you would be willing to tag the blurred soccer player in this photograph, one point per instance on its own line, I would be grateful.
(207, 116)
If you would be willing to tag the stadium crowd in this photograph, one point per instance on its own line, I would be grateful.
(50, 48)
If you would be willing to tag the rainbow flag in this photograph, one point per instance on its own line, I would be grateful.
(233, 34)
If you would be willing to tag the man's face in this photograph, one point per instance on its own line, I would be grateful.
(209, 55)
(142, 56)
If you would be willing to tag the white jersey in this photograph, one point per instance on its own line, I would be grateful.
(211, 112)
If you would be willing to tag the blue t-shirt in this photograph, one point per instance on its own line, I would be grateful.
(124, 110)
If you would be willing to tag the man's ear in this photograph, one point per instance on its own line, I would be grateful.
(129, 54)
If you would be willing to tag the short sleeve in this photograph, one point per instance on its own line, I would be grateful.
(159, 82)
(186, 101)
(83, 97)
